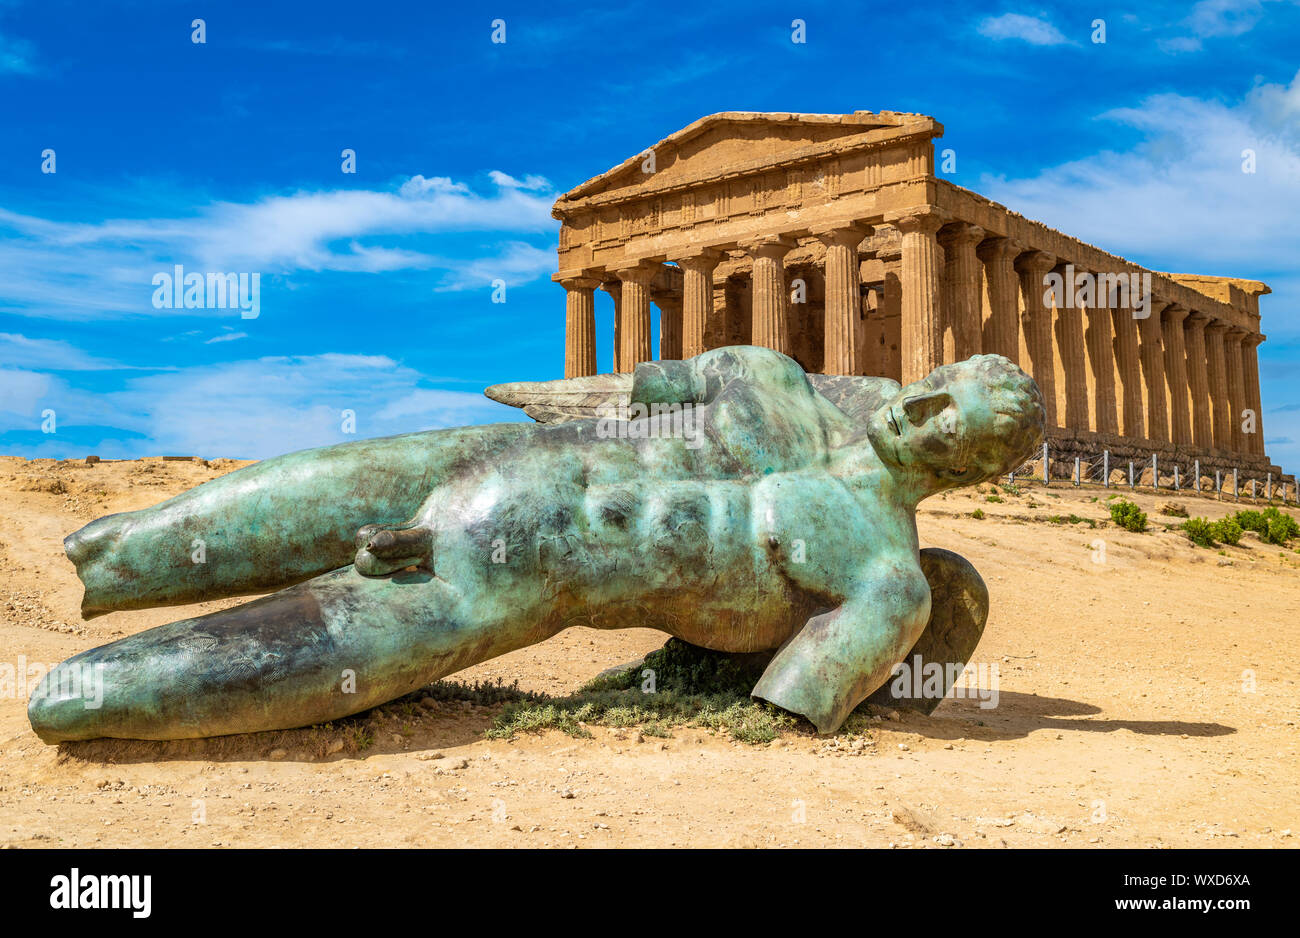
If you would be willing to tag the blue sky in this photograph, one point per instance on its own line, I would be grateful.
(376, 291)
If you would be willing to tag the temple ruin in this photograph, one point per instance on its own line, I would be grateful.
(829, 237)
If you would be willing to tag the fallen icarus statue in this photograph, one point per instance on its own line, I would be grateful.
(745, 508)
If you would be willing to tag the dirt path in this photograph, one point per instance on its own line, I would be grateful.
(1147, 696)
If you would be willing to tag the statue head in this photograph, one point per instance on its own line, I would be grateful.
(961, 424)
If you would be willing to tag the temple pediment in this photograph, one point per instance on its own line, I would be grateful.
(730, 139)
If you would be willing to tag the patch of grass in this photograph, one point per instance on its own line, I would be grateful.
(1070, 519)
(688, 686)
(1010, 489)
(361, 738)
(993, 498)
(1128, 516)
(978, 514)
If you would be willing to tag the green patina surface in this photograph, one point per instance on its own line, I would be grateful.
(769, 519)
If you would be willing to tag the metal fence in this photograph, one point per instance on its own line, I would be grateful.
(1060, 467)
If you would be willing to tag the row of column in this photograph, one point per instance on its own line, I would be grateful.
(770, 311)
(1171, 376)
(1175, 376)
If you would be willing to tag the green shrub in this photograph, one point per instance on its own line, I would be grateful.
(993, 498)
(1281, 527)
(1252, 521)
(1228, 531)
(1272, 526)
(978, 514)
(1128, 516)
(1199, 531)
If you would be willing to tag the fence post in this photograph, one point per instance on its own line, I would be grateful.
(1155, 472)
(1045, 482)
(1196, 470)
(1076, 471)
(1268, 488)
(1105, 467)
(1236, 489)
(1218, 485)
(1177, 485)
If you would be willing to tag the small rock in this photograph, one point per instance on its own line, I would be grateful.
(336, 745)
(566, 793)
(278, 753)
(426, 756)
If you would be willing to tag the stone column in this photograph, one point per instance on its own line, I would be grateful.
(1101, 355)
(634, 331)
(615, 290)
(1250, 368)
(670, 324)
(697, 299)
(769, 309)
(1180, 392)
(1036, 325)
(1002, 327)
(1236, 389)
(922, 334)
(1217, 370)
(1198, 380)
(843, 299)
(579, 326)
(1128, 371)
(1072, 365)
(962, 311)
(1156, 398)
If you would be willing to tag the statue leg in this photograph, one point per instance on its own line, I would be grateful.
(333, 646)
(272, 524)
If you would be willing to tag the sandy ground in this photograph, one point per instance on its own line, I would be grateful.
(1146, 697)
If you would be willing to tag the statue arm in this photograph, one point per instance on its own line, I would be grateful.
(830, 665)
(700, 379)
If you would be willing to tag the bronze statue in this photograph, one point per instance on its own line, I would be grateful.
(744, 512)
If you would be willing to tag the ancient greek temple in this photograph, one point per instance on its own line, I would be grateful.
(829, 237)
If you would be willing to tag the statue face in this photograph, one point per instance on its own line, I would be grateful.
(939, 424)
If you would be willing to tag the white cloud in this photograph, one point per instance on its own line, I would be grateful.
(84, 270)
(16, 56)
(227, 337)
(1224, 17)
(516, 263)
(254, 408)
(1030, 29)
(1212, 19)
(1181, 198)
(50, 354)
(531, 183)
